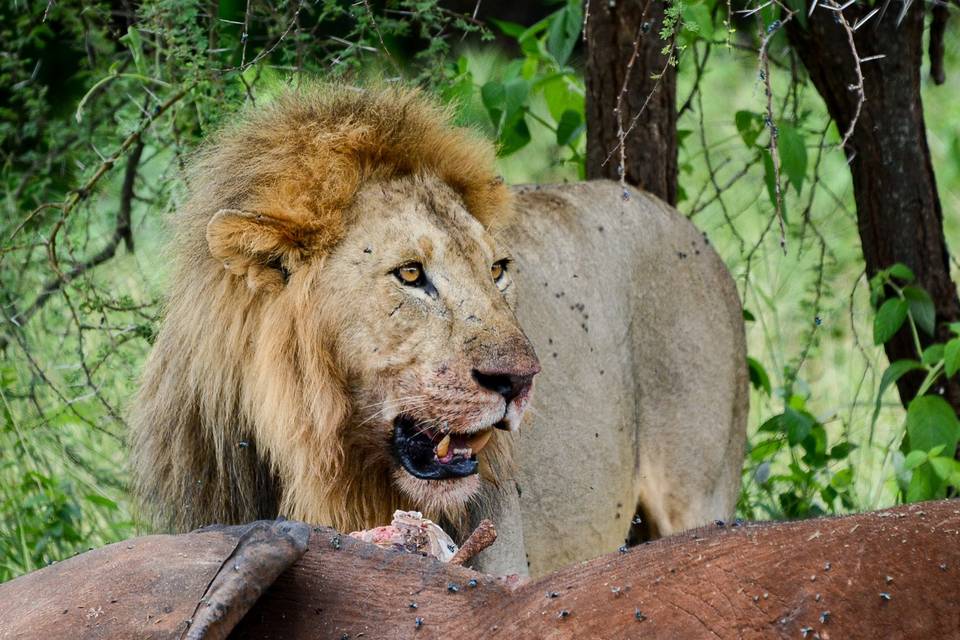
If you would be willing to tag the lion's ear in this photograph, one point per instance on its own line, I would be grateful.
(256, 246)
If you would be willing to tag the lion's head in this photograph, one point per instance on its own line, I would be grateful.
(339, 340)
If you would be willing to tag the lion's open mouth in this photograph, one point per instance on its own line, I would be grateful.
(427, 453)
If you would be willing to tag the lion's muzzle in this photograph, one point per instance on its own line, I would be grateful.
(429, 453)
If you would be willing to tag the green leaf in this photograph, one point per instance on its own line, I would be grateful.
(102, 501)
(528, 70)
(931, 422)
(135, 43)
(842, 479)
(815, 447)
(901, 272)
(697, 20)
(505, 104)
(758, 375)
(793, 155)
(841, 450)
(515, 96)
(511, 29)
(514, 137)
(563, 32)
(932, 355)
(924, 484)
(951, 357)
(562, 93)
(914, 459)
(750, 126)
(570, 127)
(766, 449)
(748, 317)
(876, 294)
(944, 467)
(921, 308)
(772, 425)
(797, 424)
(536, 28)
(493, 96)
(460, 89)
(893, 373)
(889, 319)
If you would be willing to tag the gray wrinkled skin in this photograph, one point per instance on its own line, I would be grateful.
(642, 400)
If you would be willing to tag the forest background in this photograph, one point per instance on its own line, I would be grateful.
(102, 103)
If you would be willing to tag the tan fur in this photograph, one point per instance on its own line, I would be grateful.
(288, 347)
(642, 404)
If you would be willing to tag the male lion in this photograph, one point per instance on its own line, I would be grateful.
(340, 341)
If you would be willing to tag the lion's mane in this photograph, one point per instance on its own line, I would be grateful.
(240, 415)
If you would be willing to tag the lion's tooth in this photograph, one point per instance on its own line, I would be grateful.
(443, 446)
(478, 442)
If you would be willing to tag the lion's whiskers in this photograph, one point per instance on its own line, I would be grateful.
(408, 402)
(394, 400)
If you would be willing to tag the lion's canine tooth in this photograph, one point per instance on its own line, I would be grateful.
(443, 446)
(478, 442)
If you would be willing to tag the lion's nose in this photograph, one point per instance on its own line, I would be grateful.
(508, 384)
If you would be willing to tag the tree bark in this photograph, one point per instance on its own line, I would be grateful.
(626, 66)
(889, 574)
(898, 208)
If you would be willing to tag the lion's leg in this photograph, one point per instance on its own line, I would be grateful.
(670, 500)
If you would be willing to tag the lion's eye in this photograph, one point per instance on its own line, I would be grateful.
(498, 269)
(411, 274)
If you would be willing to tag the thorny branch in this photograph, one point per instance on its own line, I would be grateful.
(122, 234)
(622, 132)
(82, 193)
(774, 27)
(268, 50)
(618, 110)
(383, 45)
(858, 72)
(244, 39)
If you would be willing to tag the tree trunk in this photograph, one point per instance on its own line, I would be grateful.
(626, 64)
(898, 209)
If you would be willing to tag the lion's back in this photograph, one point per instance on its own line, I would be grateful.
(643, 394)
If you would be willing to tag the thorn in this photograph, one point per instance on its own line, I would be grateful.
(859, 23)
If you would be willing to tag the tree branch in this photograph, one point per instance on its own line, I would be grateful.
(938, 25)
(122, 232)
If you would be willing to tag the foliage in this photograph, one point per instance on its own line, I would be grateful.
(924, 465)
(542, 71)
(817, 478)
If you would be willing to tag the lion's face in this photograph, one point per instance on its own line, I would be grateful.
(435, 358)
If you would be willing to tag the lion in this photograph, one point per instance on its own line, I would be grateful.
(343, 337)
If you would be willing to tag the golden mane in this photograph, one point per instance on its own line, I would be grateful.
(233, 369)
